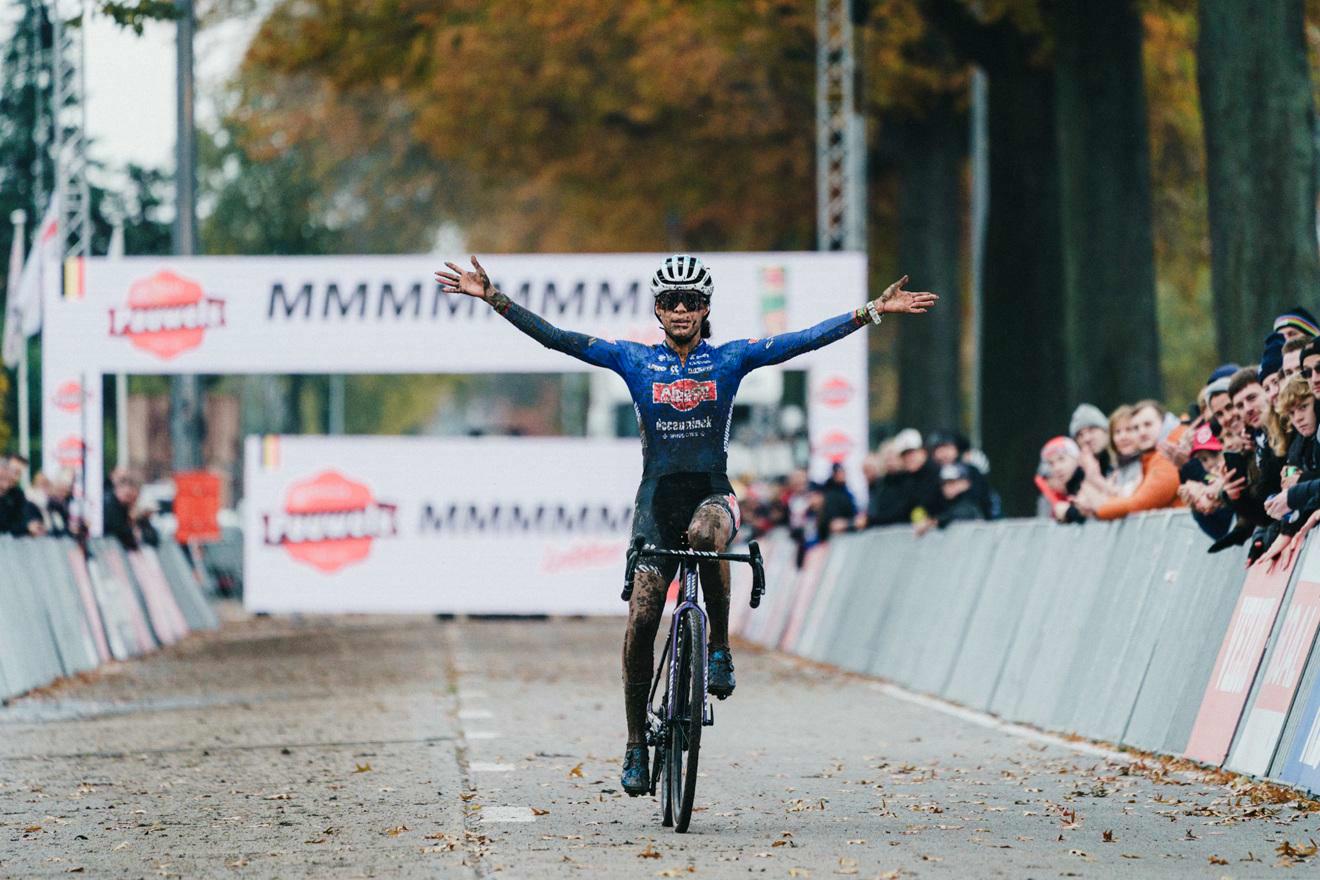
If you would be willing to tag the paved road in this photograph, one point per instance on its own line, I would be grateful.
(410, 747)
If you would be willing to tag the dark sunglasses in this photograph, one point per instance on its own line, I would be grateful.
(691, 299)
(1306, 372)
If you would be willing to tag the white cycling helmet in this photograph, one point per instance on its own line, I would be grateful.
(682, 272)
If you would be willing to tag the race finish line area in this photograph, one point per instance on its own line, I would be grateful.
(411, 747)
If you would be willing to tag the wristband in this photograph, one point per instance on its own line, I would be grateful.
(873, 312)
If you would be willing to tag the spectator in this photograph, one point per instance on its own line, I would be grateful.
(1226, 422)
(125, 518)
(56, 513)
(1090, 429)
(1292, 357)
(19, 517)
(837, 507)
(1060, 477)
(959, 499)
(1311, 365)
(992, 506)
(1159, 478)
(904, 491)
(1271, 363)
(943, 449)
(1296, 323)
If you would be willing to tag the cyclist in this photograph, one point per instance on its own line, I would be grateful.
(682, 391)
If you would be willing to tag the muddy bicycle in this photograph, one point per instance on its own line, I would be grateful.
(674, 722)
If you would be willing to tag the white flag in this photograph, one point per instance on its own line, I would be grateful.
(41, 274)
(11, 349)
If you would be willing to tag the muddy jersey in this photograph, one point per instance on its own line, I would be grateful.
(684, 409)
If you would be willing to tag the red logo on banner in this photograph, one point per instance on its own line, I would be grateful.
(834, 392)
(70, 452)
(835, 446)
(167, 315)
(330, 521)
(683, 394)
(69, 397)
(196, 506)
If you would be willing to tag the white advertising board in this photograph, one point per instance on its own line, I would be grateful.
(374, 314)
(497, 525)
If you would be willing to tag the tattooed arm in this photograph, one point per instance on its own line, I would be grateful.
(593, 350)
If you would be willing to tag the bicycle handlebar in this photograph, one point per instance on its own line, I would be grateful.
(640, 549)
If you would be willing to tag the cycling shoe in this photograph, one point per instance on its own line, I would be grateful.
(721, 682)
(636, 777)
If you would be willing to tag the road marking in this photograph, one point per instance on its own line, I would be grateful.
(981, 719)
(474, 714)
(508, 814)
(490, 767)
(482, 734)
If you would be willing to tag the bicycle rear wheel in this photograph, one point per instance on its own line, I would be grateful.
(689, 689)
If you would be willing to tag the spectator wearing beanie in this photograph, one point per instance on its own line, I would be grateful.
(1271, 363)
(1310, 370)
(1060, 478)
(1090, 429)
(1296, 323)
(1159, 478)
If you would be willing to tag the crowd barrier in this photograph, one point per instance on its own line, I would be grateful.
(1126, 632)
(63, 612)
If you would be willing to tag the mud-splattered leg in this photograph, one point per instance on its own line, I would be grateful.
(645, 609)
(711, 529)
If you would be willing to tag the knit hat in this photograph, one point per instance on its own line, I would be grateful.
(1299, 319)
(1271, 361)
(1087, 416)
(1205, 439)
(1218, 386)
(907, 440)
(1224, 371)
(954, 471)
(1066, 445)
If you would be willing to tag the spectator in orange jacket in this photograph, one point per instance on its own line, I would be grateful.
(1159, 477)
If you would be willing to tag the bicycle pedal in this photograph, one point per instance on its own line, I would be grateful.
(708, 716)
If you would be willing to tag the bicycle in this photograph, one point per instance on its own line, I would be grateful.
(674, 724)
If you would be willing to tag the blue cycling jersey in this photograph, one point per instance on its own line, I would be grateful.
(684, 408)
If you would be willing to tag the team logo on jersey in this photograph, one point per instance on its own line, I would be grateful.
(167, 315)
(330, 521)
(683, 394)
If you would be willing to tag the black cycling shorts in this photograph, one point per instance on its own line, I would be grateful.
(665, 506)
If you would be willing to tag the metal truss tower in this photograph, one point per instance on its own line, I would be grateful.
(840, 133)
(69, 112)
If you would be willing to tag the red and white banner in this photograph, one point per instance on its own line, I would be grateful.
(1238, 661)
(373, 314)
(491, 525)
(1283, 672)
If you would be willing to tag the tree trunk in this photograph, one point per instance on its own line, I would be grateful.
(1023, 394)
(1258, 115)
(930, 156)
(1108, 239)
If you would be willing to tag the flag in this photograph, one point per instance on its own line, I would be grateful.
(40, 279)
(13, 339)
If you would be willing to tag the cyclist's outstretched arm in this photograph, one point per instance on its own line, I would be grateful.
(777, 349)
(593, 350)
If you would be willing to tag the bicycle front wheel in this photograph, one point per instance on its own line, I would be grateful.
(685, 727)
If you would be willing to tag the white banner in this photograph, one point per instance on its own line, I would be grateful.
(369, 314)
(498, 525)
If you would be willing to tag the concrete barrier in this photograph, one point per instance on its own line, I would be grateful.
(63, 612)
(1124, 632)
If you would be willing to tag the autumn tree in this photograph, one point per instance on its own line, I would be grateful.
(1259, 115)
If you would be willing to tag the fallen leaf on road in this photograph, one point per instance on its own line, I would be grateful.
(362, 768)
(932, 859)
(798, 872)
(576, 772)
(537, 811)
(1130, 856)
(857, 843)
(674, 872)
(649, 853)
(282, 796)
(846, 866)
(397, 830)
(32, 829)
(77, 870)
(1107, 837)
(1079, 853)
(1216, 860)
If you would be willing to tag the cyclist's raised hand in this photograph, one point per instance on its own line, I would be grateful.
(474, 283)
(910, 302)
